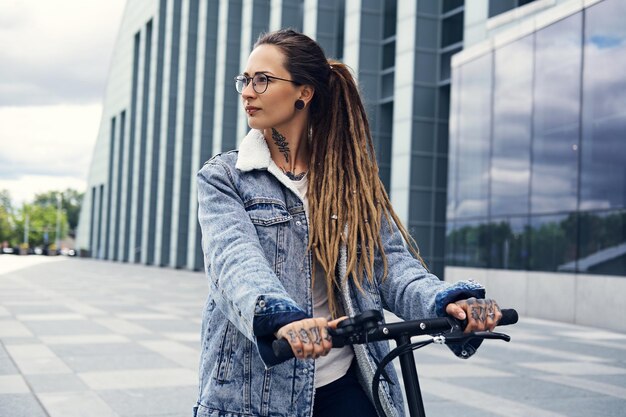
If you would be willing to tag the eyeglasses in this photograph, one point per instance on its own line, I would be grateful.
(259, 82)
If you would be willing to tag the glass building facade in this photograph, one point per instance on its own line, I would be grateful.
(537, 168)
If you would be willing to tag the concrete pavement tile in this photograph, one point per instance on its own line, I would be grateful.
(4, 312)
(176, 352)
(547, 353)
(574, 368)
(36, 359)
(184, 336)
(23, 295)
(55, 383)
(193, 345)
(28, 351)
(147, 316)
(121, 326)
(102, 349)
(85, 339)
(84, 309)
(588, 385)
(593, 335)
(50, 317)
(140, 378)
(458, 369)
(619, 380)
(601, 349)
(118, 362)
(618, 347)
(177, 401)
(7, 367)
(13, 328)
(37, 302)
(13, 384)
(20, 405)
(21, 340)
(42, 366)
(65, 327)
(449, 408)
(526, 390)
(146, 336)
(76, 404)
(48, 308)
(476, 398)
(168, 326)
(598, 406)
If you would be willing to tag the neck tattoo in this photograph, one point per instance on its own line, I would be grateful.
(292, 176)
(281, 142)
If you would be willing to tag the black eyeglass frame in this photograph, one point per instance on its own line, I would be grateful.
(251, 79)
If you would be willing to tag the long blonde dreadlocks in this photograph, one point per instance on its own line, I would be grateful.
(347, 200)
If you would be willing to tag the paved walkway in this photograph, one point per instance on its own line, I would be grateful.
(100, 339)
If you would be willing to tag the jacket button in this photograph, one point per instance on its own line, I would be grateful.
(298, 223)
(305, 371)
(262, 303)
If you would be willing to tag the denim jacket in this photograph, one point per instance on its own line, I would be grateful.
(254, 238)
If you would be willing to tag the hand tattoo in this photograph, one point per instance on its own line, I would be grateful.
(292, 336)
(281, 142)
(479, 314)
(327, 335)
(304, 336)
(315, 332)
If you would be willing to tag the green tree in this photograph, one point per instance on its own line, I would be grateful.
(41, 225)
(7, 227)
(71, 201)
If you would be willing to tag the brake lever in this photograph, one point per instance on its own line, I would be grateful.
(493, 335)
(458, 337)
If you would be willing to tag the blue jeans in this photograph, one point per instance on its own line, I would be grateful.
(343, 397)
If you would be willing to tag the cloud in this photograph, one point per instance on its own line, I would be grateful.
(23, 190)
(54, 62)
(56, 51)
(46, 142)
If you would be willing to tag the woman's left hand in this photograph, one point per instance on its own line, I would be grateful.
(481, 314)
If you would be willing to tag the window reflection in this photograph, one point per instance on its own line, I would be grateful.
(453, 145)
(545, 150)
(603, 159)
(509, 243)
(602, 248)
(512, 109)
(556, 116)
(468, 244)
(552, 242)
(473, 142)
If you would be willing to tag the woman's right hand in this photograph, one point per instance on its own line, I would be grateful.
(309, 338)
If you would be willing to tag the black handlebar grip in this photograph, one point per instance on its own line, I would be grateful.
(509, 316)
(282, 349)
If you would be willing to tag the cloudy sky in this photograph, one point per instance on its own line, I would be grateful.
(54, 63)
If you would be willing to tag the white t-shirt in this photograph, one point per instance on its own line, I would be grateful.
(333, 366)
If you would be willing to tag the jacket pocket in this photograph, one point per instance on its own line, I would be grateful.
(267, 212)
(225, 357)
(271, 219)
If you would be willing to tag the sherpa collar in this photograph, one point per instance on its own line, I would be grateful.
(255, 154)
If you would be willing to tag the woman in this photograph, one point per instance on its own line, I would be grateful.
(298, 231)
